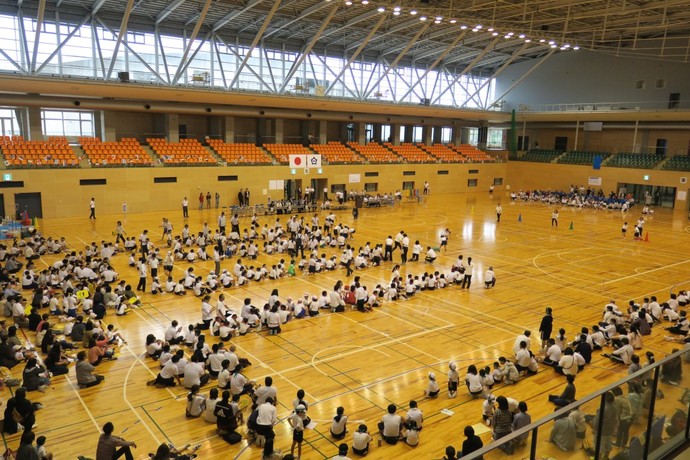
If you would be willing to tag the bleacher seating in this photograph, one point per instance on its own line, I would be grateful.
(335, 152)
(282, 152)
(55, 152)
(444, 154)
(472, 153)
(634, 160)
(188, 152)
(126, 152)
(678, 163)
(411, 153)
(577, 157)
(239, 153)
(375, 153)
(540, 156)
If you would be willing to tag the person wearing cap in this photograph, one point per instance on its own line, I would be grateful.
(297, 424)
(360, 440)
(432, 388)
(453, 380)
(391, 425)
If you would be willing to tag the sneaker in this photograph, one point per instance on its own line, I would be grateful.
(151, 383)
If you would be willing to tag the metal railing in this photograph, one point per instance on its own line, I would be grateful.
(619, 106)
(665, 406)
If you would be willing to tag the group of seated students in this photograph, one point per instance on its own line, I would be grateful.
(578, 197)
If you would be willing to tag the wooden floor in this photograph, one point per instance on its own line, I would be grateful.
(364, 362)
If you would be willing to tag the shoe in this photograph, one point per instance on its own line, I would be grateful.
(42, 388)
(151, 383)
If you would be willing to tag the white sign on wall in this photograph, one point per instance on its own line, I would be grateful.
(682, 195)
(276, 184)
(594, 181)
(355, 178)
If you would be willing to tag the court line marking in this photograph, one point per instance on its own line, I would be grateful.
(358, 348)
(647, 272)
(86, 408)
(126, 400)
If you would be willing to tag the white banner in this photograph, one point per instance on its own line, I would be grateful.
(354, 178)
(313, 161)
(594, 181)
(298, 161)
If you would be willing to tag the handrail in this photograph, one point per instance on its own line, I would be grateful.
(565, 410)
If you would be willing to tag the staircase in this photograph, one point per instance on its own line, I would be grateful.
(154, 157)
(83, 159)
(393, 152)
(215, 156)
(359, 155)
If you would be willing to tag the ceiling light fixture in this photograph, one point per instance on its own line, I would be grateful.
(453, 21)
(397, 8)
(463, 27)
(413, 12)
(381, 9)
(396, 13)
(576, 47)
(422, 18)
(521, 36)
(527, 40)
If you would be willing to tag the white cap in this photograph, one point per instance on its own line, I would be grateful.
(452, 365)
(300, 408)
(432, 376)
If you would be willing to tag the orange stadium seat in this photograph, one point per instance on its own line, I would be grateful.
(239, 153)
(472, 153)
(126, 152)
(411, 153)
(282, 152)
(55, 152)
(375, 153)
(444, 154)
(187, 152)
(335, 152)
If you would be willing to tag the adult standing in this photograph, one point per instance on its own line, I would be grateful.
(113, 447)
(185, 208)
(240, 197)
(267, 417)
(467, 277)
(546, 327)
(554, 218)
(222, 222)
(208, 200)
(502, 424)
(426, 187)
(119, 232)
(92, 207)
(246, 197)
(201, 201)
(499, 211)
(217, 200)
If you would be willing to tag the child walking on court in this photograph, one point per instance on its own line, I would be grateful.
(554, 218)
(297, 423)
(624, 229)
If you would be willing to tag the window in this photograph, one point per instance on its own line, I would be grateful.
(93, 182)
(442, 172)
(227, 178)
(446, 134)
(417, 134)
(496, 138)
(164, 180)
(473, 171)
(9, 126)
(471, 182)
(371, 187)
(498, 181)
(70, 123)
(371, 174)
(408, 173)
(640, 84)
(473, 136)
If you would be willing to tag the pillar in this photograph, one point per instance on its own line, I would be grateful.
(106, 126)
(229, 130)
(377, 133)
(456, 137)
(35, 128)
(409, 131)
(360, 133)
(464, 136)
(483, 137)
(279, 130)
(437, 137)
(395, 134)
(172, 127)
(323, 132)
(426, 134)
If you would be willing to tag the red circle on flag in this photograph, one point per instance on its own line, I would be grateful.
(298, 161)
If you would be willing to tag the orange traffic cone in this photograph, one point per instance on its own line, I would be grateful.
(646, 237)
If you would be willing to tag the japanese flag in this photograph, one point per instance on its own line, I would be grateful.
(298, 161)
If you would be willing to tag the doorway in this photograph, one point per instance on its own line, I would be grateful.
(319, 185)
(29, 202)
(293, 189)
(673, 100)
(561, 143)
(651, 194)
(2, 205)
(661, 146)
(182, 131)
(408, 185)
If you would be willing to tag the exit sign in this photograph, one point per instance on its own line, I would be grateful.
(7, 177)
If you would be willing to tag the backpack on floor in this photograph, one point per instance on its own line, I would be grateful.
(232, 437)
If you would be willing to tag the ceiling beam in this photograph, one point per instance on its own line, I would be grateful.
(468, 67)
(311, 10)
(397, 59)
(527, 74)
(122, 32)
(392, 30)
(232, 15)
(356, 53)
(351, 22)
(190, 41)
(255, 42)
(435, 63)
(308, 48)
(37, 37)
(168, 9)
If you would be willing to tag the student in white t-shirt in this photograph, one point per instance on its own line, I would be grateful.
(195, 403)
(210, 406)
(338, 425)
(391, 425)
(361, 440)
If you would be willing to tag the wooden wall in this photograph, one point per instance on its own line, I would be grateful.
(63, 196)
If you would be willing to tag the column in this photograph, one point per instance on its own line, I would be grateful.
(323, 132)
(426, 134)
(408, 133)
(360, 133)
(437, 136)
(377, 133)
(35, 128)
(483, 137)
(229, 130)
(395, 134)
(279, 130)
(172, 127)
(108, 129)
(456, 138)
